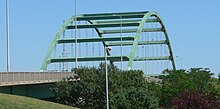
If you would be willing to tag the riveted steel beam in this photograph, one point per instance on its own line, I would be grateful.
(139, 43)
(151, 58)
(96, 39)
(102, 58)
(102, 25)
(124, 21)
(131, 30)
(119, 13)
(81, 59)
(129, 16)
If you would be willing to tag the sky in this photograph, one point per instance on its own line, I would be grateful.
(193, 28)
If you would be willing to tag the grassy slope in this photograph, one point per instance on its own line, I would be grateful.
(19, 102)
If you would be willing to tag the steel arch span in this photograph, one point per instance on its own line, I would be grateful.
(136, 32)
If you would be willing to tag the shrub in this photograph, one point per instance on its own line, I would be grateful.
(195, 100)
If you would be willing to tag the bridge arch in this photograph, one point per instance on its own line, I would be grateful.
(106, 24)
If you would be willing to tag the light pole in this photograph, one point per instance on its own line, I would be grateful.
(76, 35)
(106, 75)
(7, 37)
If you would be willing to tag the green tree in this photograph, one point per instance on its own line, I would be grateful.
(181, 80)
(127, 89)
(88, 91)
(213, 88)
(131, 91)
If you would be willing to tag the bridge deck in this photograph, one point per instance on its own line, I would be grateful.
(22, 78)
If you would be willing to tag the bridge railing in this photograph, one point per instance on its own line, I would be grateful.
(16, 78)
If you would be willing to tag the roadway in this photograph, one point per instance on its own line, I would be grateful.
(23, 78)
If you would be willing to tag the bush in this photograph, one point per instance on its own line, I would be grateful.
(127, 89)
(195, 100)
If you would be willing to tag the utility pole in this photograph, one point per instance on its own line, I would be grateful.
(106, 75)
(7, 37)
(76, 65)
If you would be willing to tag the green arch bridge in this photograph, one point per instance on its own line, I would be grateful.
(143, 38)
(130, 26)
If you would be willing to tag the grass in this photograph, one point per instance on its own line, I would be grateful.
(20, 102)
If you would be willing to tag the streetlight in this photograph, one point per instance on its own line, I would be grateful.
(7, 36)
(106, 74)
(76, 65)
(76, 34)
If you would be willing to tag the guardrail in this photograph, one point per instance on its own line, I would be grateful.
(19, 78)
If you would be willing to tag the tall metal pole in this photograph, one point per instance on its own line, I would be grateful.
(55, 56)
(121, 42)
(106, 77)
(76, 65)
(7, 35)
(64, 50)
(72, 48)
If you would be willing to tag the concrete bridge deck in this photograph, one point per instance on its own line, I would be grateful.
(23, 78)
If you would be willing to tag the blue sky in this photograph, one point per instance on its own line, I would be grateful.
(193, 28)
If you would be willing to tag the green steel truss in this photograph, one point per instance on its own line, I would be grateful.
(112, 20)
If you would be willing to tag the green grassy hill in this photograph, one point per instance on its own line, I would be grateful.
(19, 102)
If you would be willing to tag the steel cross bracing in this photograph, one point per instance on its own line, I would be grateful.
(131, 22)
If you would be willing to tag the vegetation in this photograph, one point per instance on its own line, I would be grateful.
(195, 100)
(19, 102)
(126, 89)
(180, 89)
(182, 82)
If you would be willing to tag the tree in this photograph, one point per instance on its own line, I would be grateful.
(213, 88)
(181, 80)
(86, 92)
(127, 89)
(200, 77)
(195, 100)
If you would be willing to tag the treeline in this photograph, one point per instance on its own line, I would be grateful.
(181, 89)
